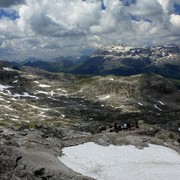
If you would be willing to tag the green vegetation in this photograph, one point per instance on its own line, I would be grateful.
(8, 122)
(176, 82)
(86, 80)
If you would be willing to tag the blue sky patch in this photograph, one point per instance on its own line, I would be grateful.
(103, 7)
(138, 18)
(177, 8)
(10, 14)
(128, 2)
(135, 18)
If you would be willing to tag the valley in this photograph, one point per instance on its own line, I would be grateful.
(41, 113)
(33, 95)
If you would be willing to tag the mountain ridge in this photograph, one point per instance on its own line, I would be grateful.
(124, 60)
(118, 60)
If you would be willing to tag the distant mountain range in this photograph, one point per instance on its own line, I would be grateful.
(117, 60)
(59, 64)
(124, 60)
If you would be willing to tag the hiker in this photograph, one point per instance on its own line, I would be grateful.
(115, 127)
(119, 127)
(124, 127)
(128, 126)
(136, 124)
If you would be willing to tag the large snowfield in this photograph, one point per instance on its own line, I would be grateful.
(123, 162)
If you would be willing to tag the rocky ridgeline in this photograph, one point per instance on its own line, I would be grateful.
(124, 60)
(151, 52)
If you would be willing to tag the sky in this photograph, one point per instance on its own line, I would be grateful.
(46, 29)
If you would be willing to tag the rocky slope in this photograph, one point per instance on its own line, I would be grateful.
(32, 153)
(33, 95)
(124, 60)
(42, 112)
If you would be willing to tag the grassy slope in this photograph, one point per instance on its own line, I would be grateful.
(175, 81)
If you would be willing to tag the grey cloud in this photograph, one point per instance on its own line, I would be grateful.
(8, 3)
(58, 27)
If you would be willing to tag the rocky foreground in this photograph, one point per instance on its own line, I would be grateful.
(41, 113)
(32, 153)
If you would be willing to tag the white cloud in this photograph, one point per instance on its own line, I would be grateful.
(175, 21)
(147, 8)
(52, 28)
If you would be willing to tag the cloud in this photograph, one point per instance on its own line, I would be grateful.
(46, 29)
(8, 3)
(175, 21)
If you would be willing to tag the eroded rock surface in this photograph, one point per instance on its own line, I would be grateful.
(34, 155)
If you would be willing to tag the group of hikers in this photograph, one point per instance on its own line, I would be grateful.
(125, 127)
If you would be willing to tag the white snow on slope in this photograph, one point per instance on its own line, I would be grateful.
(140, 104)
(25, 94)
(157, 107)
(104, 97)
(44, 86)
(160, 102)
(52, 93)
(42, 92)
(7, 69)
(3, 87)
(111, 79)
(15, 81)
(123, 162)
(59, 89)
(36, 82)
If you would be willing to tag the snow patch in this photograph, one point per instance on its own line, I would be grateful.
(42, 115)
(122, 162)
(36, 82)
(63, 116)
(111, 79)
(4, 87)
(52, 93)
(42, 92)
(160, 102)
(140, 104)
(15, 81)
(13, 99)
(13, 119)
(157, 107)
(62, 90)
(7, 69)
(44, 85)
(25, 94)
(105, 97)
